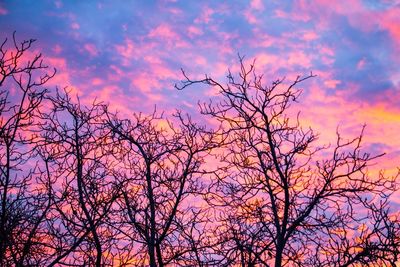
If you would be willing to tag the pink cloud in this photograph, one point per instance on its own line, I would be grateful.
(252, 13)
(75, 26)
(299, 58)
(357, 13)
(331, 84)
(326, 54)
(147, 85)
(250, 17)
(163, 31)
(327, 113)
(156, 66)
(91, 49)
(58, 4)
(257, 5)
(310, 36)
(264, 59)
(152, 59)
(205, 16)
(3, 11)
(115, 98)
(194, 31)
(200, 60)
(321, 12)
(361, 64)
(296, 16)
(331, 111)
(352, 6)
(115, 73)
(62, 78)
(326, 50)
(97, 81)
(271, 64)
(266, 40)
(175, 11)
(390, 21)
(127, 51)
(57, 49)
(396, 80)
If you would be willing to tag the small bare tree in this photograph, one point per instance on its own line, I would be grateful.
(23, 207)
(279, 202)
(160, 173)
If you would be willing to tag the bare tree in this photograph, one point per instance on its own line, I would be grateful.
(76, 142)
(161, 181)
(23, 207)
(280, 203)
(372, 240)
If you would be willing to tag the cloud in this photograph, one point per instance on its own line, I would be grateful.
(131, 54)
(75, 26)
(257, 5)
(163, 31)
(91, 49)
(3, 11)
(205, 16)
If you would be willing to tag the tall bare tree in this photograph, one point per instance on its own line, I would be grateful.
(76, 140)
(280, 202)
(22, 211)
(161, 171)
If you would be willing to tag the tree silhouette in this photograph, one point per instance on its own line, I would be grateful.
(76, 142)
(83, 186)
(23, 208)
(161, 174)
(280, 204)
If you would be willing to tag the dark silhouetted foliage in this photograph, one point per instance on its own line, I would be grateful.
(81, 185)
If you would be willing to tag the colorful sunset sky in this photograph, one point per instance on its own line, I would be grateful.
(129, 54)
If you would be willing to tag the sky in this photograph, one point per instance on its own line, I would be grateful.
(129, 54)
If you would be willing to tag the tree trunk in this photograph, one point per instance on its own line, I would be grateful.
(278, 256)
